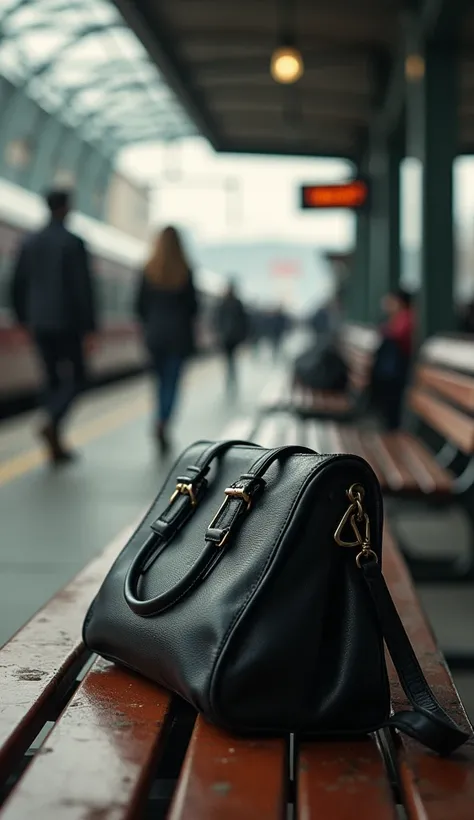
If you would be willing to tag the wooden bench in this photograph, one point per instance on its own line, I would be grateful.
(82, 739)
(441, 401)
(288, 428)
(358, 345)
(413, 466)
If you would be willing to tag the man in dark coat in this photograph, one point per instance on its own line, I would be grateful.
(52, 297)
(231, 327)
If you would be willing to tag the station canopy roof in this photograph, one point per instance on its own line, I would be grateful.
(79, 60)
(216, 55)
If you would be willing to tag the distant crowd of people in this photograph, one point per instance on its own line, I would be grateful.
(53, 297)
(52, 294)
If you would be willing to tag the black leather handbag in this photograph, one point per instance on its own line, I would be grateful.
(253, 589)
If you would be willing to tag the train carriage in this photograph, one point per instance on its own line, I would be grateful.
(117, 259)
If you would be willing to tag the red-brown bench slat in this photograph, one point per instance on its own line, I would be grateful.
(343, 780)
(99, 758)
(434, 788)
(454, 425)
(228, 778)
(332, 403)
(401, 462)
(323, 401)
(431, 477)
(455, 386)
(352, 441)
(35, 661)
(383, 449)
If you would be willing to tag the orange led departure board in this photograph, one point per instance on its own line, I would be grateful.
(353, 194)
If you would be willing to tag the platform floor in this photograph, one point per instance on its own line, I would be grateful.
(54, 521)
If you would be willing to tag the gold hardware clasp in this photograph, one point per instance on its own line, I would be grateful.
(184, 489)
(358, 520)
(238, 492)
(230, 492)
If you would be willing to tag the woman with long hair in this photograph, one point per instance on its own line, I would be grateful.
(166, 305)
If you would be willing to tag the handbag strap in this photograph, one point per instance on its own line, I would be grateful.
(428, 722)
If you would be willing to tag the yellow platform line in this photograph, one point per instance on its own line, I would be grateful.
(108, 422)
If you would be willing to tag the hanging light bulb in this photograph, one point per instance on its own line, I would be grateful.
(414, 68)
(286, 65)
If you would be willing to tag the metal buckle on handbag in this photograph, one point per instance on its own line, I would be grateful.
(355, 516)
(239, 494)
(184, 489)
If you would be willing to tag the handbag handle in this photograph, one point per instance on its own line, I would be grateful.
(428, 723)
(237, 502)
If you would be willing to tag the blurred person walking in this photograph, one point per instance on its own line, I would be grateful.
(52, 297)
(277, 327)
(231, 325)
(166, 304)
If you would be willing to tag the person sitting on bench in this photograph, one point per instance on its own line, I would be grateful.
(392, 359)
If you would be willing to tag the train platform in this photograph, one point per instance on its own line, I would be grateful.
(54, 521)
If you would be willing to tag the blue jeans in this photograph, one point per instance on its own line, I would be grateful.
(167, 367)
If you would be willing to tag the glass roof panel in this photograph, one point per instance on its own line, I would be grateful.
(78, 59)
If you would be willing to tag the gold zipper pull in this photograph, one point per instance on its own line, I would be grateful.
(359, 522)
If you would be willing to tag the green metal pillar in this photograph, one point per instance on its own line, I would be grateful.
(432, 113)
(384, 254)
(357, 286)
(395, 155)
(437, 313)
(379, 226)
(358, 283)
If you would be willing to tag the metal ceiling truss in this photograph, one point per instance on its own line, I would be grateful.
(128, 85)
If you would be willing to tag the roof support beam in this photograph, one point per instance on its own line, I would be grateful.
(437, 20)
(263, 149)
(145, 19)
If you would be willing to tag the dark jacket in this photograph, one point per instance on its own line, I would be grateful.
(231, 322)
(390, 364)
(167, 317)
(51, 289)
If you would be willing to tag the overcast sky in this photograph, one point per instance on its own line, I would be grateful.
(191, 186)
(188, 184)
